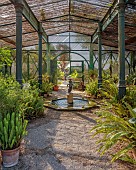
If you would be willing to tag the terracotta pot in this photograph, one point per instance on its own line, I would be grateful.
(55, 88)
(134, 153)
(10, 157)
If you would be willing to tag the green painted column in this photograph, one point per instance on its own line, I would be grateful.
(121, 48)
(70, 67)
(19, 9)
(91, 57)
(28, 66)
(83, 70)
(99, 56)
(40, 55)
(48, 56)
(131, 62)
(111, 63)
(6, 69)
(134, 61)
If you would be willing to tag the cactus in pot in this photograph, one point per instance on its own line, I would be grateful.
(12, 130)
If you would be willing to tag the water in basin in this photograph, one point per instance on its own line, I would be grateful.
(77, 103)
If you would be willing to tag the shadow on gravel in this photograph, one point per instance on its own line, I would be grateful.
(86, 118)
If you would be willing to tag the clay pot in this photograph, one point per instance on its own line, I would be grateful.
(134, 153)
(55, 88)
(10, 157)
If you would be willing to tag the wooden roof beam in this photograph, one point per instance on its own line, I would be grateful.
(30, 17)
(107, 20)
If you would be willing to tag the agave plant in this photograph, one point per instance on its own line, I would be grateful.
(12, 130)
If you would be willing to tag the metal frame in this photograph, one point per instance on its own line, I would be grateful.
(103, 28)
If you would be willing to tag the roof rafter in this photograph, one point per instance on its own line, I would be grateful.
(109, 17)
(31, 18)
(71, 15)
(90, 3)
(2, 37)
(48, 3)
(67, 31)
(2, 5)
(81, 26)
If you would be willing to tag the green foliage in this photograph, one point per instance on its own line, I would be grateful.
(31, 103)
(12, 130)
(34, 83)
(60, 74)
(109, 90)
(90, 75)
(106, 75)
(15, 99)
(116, 127)
(47, 87)
(9, 95)
(45, 77)
(131, 79)
(92, 88)
(131, 96)
(74, 75)
(5, 57)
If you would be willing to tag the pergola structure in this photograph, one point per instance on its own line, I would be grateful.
(112, 23)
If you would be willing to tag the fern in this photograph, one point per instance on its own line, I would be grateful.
(92, 88)
(115, 129)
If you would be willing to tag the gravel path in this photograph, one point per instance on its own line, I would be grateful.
(61, 141)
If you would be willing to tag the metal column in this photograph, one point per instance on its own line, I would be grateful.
(48, 56)
(111, 64)
(40, 55)
(91, 57)
(28, 66)
(99, 56)
(19, 9)
(121, 48)
(133, 62)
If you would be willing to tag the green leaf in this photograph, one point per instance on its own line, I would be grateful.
(123, 151)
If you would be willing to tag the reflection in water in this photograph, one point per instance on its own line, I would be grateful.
(77, 103)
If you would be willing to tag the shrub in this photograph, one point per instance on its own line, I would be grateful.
(90, 75)
(92, 88)
(131, 79)
(47, 87)
(32, 103)
(9, 94)
(5, 57)
(14, 99)
(109, 90)
(131, 96)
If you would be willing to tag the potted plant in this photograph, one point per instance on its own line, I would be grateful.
(46, 88)
(55, 87)
(12, 130)
(55, 82)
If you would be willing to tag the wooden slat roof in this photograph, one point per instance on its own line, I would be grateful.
(80, 16)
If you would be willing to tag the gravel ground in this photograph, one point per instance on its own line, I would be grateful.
(62, 141)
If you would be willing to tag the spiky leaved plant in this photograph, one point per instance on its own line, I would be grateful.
(12, 130)
(117, 129)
